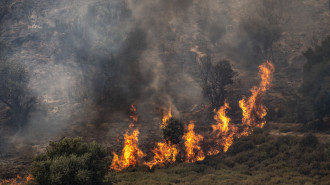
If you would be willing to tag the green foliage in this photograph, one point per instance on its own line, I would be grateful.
(274, 160)
(316, 83)
(173, 131)
(70, 162)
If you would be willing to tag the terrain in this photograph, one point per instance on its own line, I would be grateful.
(50, 37)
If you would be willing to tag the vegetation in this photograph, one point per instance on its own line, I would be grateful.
(71, 162)
(215, 79)
(262, 30)
(173, 131)
(257, 159)
(14, 94)
(316, 87)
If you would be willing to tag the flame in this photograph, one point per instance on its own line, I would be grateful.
(253, 110)
(164, 153)
(165, 119)
(193, 150)
(134, 115)
(130, 153)
(224, 133)
(17, 181)
(222, 119)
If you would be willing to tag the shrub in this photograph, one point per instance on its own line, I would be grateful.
(309, 140)
(173, 132)
(70, 162)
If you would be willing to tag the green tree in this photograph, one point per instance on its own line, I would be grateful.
(70, 162)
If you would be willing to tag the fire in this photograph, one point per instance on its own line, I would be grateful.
(224, 133)
(222, 119)
(134, 115)
(164, 153)
(166, 117)
(253, 110)
(130, 153)
(17, 181)
(192, 143)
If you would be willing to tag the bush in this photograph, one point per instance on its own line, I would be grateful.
(173, 131)
(309, 140)
(315, 86)
(70, 162)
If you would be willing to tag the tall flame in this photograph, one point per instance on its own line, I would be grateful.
(253, 110)
(130, 153)
(164, 153)
(223, 132)
(166, 117)
(192, 143)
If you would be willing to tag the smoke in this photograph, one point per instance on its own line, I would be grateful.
(101, 56)
(90, 59)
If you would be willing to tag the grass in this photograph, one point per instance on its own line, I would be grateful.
(271, 160)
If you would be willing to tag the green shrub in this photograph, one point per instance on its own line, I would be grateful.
(70, 162)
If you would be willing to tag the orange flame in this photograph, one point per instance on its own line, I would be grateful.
(192, 143)
(134, 115)
(165, 119)
(253, 110)
(17, 181)
(130, 153)
(163, 154)
(224, 134)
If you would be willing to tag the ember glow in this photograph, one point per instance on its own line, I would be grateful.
(253, 110)
(134, 115)
(164, 153)
(166, 118)
(192, 144)
(18, 180)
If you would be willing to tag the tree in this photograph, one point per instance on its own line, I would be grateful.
(215, 80)
(70, 162)
(14, 93)
(316, 82)
(262, 29)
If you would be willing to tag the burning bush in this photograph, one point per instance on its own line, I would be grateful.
(70, 162)
(173, 131)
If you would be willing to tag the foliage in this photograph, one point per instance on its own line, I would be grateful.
(274, 160)
(215, 79)
(316, 84)
(14, 79)
(262, 29)
(173, 131)
(70, 162)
